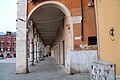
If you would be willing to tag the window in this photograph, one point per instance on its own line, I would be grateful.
(2, 43)
(13, 49)
(8, 38)
(8, 53)
(8, 43)
(1, 55)
(92, 40)
(7, 49)
(14, 55)
(14, 43)
(1, 49)
(2, 38)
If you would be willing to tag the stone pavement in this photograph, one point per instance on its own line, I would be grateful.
(8, 60)
(45, 70)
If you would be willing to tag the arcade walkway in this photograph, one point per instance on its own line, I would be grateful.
(46, 70)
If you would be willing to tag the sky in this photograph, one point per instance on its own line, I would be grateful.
(8, 15)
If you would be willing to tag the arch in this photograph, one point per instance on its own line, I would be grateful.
(56, 4)
(64, 9)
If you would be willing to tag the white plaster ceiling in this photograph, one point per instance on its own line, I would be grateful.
(47, 19)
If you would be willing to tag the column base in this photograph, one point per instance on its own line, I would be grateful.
(36, 61)
(32, 63)
(22, 71)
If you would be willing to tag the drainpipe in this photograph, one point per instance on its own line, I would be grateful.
(82, 32)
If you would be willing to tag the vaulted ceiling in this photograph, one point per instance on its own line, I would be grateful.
(47, 20)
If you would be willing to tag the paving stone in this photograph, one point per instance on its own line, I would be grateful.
(45, 70)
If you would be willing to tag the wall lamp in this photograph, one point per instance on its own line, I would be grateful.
(91, 3)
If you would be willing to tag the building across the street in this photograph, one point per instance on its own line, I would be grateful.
(8, 44)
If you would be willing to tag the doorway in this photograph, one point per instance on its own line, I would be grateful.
(63, 49)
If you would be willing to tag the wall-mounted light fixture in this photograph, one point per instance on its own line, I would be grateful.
(112, 33)
(91, 3)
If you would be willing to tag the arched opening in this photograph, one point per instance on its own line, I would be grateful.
(54, 24)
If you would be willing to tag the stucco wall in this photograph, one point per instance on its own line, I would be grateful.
(80, 61)
(108, 15)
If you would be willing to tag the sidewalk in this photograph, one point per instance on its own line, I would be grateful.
(8, 60)
(45, 70)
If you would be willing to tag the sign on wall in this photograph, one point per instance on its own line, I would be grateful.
(77, 19)
(78, 38)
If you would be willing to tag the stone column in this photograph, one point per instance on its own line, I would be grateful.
(41, 52)
(38, 52)
(35, 52)
(31, 45)
(21, 38)
(31, 52)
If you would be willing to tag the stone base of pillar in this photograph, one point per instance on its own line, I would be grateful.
(32, 63)
(22, 71)
(41, 58)
(36, 61)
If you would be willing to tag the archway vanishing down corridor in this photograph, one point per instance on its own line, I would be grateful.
(50, 23)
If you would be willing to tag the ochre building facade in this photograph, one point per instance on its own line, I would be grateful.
(107, 15)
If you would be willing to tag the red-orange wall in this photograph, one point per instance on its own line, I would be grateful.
(75, 9)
